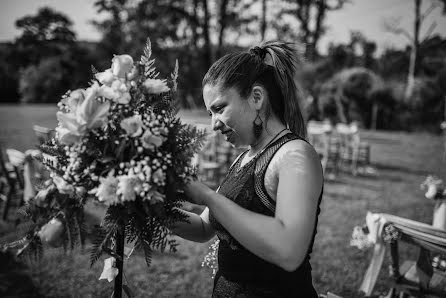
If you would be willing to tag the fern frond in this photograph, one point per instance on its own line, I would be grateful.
(174, 76)
(102, 237)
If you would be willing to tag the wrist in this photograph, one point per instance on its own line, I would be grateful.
(207, 197)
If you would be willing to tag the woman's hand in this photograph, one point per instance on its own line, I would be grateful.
(198, 193)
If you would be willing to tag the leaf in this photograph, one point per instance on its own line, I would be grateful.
(174, 76)
(148, 49)
(99, 243)
(127, 291)
(147, 252)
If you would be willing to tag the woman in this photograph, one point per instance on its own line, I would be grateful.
(265, 210)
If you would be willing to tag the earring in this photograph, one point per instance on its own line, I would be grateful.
(257, 126)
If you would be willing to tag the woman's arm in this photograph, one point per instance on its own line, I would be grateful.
(198, 227)
(284, 239)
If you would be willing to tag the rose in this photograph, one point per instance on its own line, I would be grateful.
(156, 86)
(106, 192)
(128, 186)
(90, 114)
(151, 141)
(133, 73)
(118, 92)
(110, 271)
(73, 100)
(121, 65)
(132, 125)
(51, 233)
(62, 186)
(106, 77)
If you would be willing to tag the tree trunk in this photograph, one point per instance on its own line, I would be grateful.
(263, 25)
(320, 16)
(413, 64)
(223, 24)
(207, 40)
(194, 25)
(375, 109)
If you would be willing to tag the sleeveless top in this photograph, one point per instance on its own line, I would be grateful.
(240, 272)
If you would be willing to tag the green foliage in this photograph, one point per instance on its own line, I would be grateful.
(43, 82)
(348, 93)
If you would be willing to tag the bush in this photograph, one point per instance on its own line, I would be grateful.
(42, 83)
(348, 94)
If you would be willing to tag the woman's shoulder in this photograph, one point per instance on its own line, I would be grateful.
(300, 146)
(296, 151)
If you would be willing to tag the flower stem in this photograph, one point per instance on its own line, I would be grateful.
(119, 261)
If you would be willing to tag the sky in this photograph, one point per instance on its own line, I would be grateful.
(364, 15)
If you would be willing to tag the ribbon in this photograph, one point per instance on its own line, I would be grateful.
(439, 216)
(375, 223)
(30, 169)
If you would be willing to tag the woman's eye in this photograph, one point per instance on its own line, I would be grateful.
(218, 109)
(210, 114)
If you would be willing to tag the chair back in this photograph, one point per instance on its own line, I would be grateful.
(416, 277)
(43, 134)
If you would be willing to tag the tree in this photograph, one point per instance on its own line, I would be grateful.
(393, 26)
(43, 35)
(311, 16)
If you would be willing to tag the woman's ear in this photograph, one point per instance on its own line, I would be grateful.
(257, 98)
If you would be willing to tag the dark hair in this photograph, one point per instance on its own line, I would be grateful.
(242, 70)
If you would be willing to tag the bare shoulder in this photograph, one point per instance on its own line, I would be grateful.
(299, 148)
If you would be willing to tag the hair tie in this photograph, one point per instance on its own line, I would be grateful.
(258, 51)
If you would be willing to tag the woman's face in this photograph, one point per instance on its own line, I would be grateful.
(231, 114)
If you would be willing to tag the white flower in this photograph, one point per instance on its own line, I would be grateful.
(151, 141)
(154, 197)
(121, 65)
(90, 114)
(128, 186)
(62, 186)
(110, 271)
(73, 100)
(431, 192)
(51, 233)
(107, 190)
(106, 77)
(156, 86)
(118, 92)
(132, 125)
(132, 74)
(159, 176)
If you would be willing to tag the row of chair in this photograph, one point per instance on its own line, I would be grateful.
(340, 147)
(14, 190)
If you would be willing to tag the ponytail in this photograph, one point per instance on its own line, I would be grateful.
(284, 61)
(242, 70)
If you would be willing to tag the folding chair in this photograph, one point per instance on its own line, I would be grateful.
(419, 278)
(349, 146)
(43, 134)
(319, 135)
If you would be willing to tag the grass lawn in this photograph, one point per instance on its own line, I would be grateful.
(402, 160)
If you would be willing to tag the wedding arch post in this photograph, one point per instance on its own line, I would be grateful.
(120, 237)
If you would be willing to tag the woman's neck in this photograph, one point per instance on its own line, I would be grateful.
(271, 131)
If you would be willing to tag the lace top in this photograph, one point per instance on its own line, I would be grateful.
(239, 270)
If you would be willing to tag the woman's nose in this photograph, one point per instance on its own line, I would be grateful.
(216, 123)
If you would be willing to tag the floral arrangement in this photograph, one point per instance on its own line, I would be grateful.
(120, 144)
(434, 188)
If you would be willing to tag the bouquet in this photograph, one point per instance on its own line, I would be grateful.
(120, 144)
